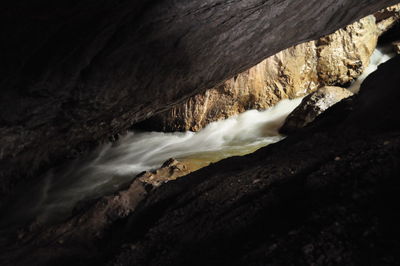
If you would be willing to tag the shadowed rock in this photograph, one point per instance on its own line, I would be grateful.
(312, 106)
(315, 198)
(397, 47)
(77, 72)
(92, 219)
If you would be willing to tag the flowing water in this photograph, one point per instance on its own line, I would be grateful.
(113, 165)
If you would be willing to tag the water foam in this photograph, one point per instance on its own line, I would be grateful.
(113, 165)
(105, 170)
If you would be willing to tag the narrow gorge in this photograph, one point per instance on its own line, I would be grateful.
(188, 133)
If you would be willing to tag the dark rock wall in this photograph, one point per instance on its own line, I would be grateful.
(76, 72)
(328, 195)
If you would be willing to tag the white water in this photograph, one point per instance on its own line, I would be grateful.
(379, 56)
(113, 165)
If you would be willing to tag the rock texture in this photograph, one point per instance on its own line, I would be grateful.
(92, 219)
(343, 56)
(387, 18)
(74, 73)
(312, 106)
(170, 170)
(336, 59)
(327, 195)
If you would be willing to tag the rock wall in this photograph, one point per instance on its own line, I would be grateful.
(336, 59)
(74, 73)
(331, 199)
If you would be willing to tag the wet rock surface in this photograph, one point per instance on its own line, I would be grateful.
(170, 170)
(312, 106)
(74, 73)
(326, 195)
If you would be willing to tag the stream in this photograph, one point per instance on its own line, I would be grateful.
(111, 166)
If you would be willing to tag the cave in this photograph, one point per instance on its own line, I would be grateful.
(186, 132)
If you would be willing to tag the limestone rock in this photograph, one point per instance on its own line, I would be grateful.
(312, 106)
(260, 87)
(343, 56)
(336, 59)
(387, 18)
(170, 170)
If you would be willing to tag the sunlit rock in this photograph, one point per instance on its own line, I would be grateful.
(387, 18)
(336, 59)
(74, 74)
(170, 170)
(343, 56)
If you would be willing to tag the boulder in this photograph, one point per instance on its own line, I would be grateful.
(312, 106)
